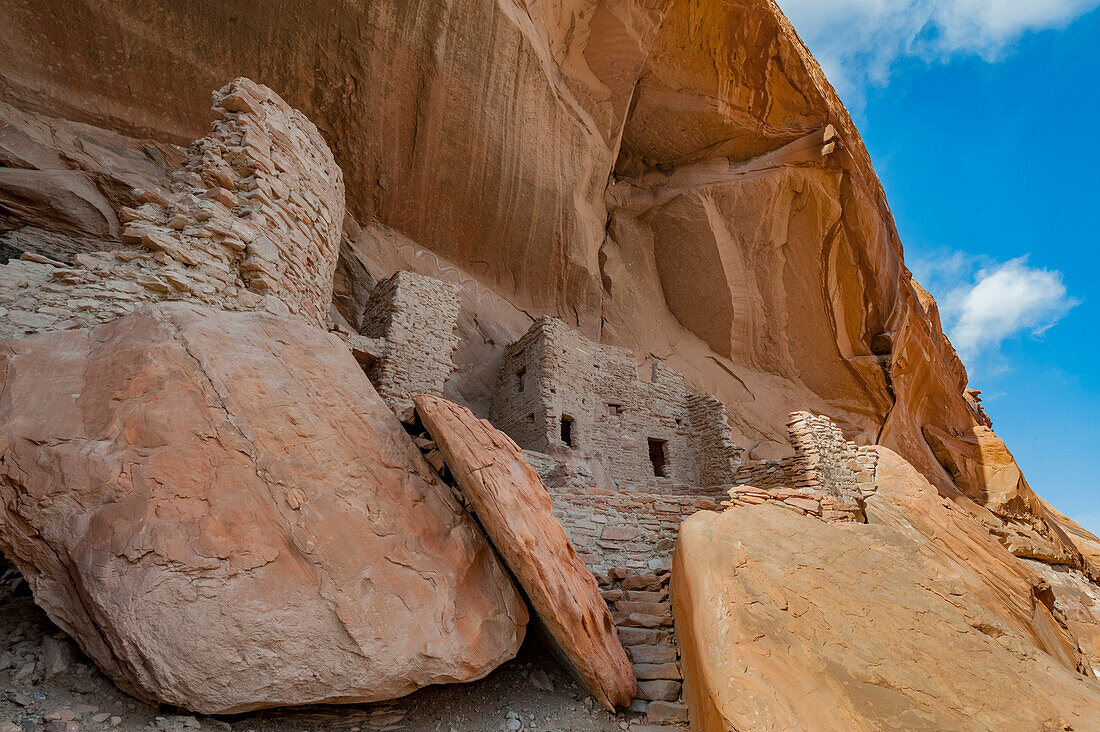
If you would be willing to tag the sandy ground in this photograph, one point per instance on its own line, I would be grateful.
(46, 684)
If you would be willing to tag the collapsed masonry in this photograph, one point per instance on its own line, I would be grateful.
(558, 388)
(828, 476)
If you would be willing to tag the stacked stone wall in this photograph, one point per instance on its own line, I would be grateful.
(717, 457)
(625, 529)
(251, 222)
(554, 374)
(411, 318)
(827, 476)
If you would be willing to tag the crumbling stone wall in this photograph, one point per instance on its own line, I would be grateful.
(827, 476)
(251, 222)
(557, 387)
(408, 337)
(717, 457)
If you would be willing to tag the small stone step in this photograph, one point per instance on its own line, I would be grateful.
(652, 654)
(641, 620)
(660, 690)
(643, 582)
(611, 595)
(663, 712)
(655, 671)
(646, 608)
(644, 595)
(633, 636)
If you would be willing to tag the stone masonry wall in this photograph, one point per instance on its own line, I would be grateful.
(554, 374)
(251, 222)
(627, 536)
(717, 457)
(827, 476)
(414, 318)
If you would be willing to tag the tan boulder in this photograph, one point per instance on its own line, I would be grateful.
(788, 622)
(225, 516)
(514, 508)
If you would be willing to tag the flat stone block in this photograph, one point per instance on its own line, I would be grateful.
(652, 654)
(663, 712)
(643, 636)
(659, 690)
(653, 671)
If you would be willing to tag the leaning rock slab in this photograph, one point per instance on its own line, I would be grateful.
(514, 508)
(225, 516)
(788, 622)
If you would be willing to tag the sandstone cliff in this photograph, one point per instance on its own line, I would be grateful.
(672, 176)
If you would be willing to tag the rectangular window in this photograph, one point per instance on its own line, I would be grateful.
(519, 379)
(658, 457)
(614, 409)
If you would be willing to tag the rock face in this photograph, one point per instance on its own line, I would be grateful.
(674, 176)
(983, 468)
(788, 622)
(223, 513)
(514, 508)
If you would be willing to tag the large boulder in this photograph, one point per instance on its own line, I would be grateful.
(223, 513)
(514, 508)
(789, 622)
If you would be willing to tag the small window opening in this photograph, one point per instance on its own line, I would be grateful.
(614, 409)
(567, 430)
(519, 379)
(658, 456)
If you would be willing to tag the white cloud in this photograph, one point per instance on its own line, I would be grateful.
(859, 41)
(982, 309)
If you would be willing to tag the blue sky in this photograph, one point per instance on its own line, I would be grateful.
(978, 117)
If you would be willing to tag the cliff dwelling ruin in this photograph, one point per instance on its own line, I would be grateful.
(625, 460)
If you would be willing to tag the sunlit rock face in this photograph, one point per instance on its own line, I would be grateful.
(674, 177)
(918, 619)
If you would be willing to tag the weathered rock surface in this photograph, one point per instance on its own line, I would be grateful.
(1077, 599)
(788, 622)
(514, 508)
(223, 513)
(674, 176)
(983, 468)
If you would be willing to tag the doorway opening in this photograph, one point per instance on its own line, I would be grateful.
(567, 430)
(658, 457)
